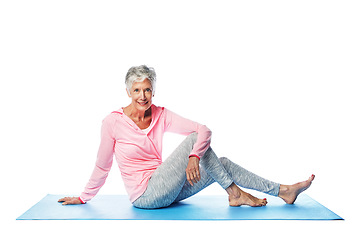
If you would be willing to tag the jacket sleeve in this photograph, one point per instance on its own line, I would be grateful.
(104, 160)
(177, 124)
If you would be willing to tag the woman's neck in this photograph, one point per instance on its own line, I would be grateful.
(137, 114)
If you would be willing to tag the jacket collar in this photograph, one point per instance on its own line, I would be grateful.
(156, 112)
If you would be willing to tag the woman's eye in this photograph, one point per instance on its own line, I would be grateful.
(136, 90)
(148, 90)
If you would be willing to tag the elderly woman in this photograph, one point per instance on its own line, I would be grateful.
(135, 133)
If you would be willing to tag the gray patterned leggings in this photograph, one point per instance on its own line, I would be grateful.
(169, 184)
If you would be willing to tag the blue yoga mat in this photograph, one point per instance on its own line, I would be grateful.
(199, 207)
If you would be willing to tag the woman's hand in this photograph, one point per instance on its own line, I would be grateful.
(70, 200)
(192, 170)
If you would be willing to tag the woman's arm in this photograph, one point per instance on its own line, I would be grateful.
(102, 166)
(177, 124)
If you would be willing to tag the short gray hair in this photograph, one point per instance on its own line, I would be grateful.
(139, 74)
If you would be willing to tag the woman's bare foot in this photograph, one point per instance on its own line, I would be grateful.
(238, 197)
(289, 193)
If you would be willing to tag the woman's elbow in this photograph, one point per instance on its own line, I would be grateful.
(206, 131)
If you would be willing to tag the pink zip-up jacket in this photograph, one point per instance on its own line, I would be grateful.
(137, 152)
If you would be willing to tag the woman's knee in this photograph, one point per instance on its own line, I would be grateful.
(190, 140)
(223, 160)
(192, 137)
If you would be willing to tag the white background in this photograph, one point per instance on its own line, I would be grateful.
(276, 81)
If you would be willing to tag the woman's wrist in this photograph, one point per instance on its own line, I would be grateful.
(82, 202)
(194, 155)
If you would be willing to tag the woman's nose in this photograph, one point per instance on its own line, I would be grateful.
(143, 95)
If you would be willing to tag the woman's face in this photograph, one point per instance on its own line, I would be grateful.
(141, 95)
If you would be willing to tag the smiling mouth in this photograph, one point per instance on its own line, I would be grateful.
(143, 103)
